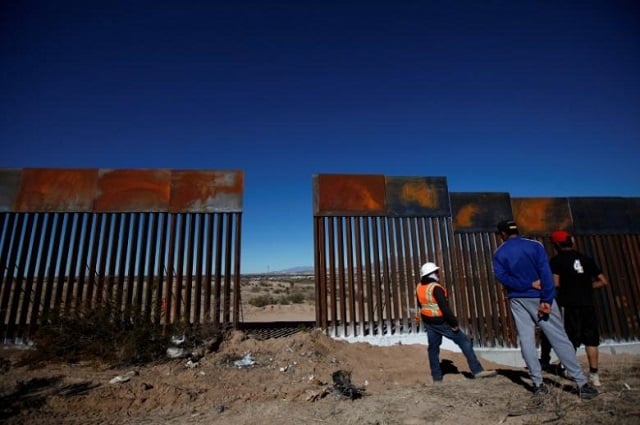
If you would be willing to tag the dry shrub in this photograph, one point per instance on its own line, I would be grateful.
(265, 300)
(105, 334)
(262, 301)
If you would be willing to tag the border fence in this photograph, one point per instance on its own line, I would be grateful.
(165, 245)
(161, 244)
(372, 233)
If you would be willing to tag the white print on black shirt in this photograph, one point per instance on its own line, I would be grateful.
(577, 266)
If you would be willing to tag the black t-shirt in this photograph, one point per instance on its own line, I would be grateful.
(577, 273)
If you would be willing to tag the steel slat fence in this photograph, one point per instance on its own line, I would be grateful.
(372, 233)
(142, 242)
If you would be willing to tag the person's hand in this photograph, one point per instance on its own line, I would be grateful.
(417, 319)
(537, 284)
(544, 310)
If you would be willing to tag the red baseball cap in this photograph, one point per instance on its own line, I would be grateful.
(560, 236)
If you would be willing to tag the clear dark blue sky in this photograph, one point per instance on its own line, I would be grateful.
(535, 98)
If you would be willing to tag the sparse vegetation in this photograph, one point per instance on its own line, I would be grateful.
(102, 334)
(262, 291)
(111, 336)
(262, 300)
(282, 299)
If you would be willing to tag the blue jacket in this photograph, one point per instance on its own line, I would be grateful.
(517, 263)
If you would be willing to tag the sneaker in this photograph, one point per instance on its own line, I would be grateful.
(594, 379)
(485, 374)
(540, 389)
(587, 392)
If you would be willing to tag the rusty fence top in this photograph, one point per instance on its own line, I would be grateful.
(380, 195)
(120, 190)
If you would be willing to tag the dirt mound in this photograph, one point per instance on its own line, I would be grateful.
(292, 381)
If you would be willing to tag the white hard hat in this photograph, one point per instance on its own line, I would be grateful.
(428, 268)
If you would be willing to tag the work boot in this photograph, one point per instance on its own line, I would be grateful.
(485, 374)
(594, 379)
(587, 392)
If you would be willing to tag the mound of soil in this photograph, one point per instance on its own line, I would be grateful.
(302, 379)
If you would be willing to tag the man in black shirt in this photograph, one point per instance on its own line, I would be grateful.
(575, 276)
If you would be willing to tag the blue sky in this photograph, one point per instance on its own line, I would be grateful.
(534, 98)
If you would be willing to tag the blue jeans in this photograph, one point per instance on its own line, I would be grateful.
(435, 334)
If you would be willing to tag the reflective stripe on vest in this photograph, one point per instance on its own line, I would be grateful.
(428, 304)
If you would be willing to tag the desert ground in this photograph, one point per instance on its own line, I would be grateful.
(305, 378)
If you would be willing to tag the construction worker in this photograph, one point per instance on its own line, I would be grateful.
(439, 321)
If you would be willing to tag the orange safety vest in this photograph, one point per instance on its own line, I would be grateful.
(428, 305)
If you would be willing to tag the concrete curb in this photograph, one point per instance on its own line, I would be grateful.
(504, 356)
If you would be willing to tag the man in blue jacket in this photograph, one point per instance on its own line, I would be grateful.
(521, 265)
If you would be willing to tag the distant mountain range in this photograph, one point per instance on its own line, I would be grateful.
(295, 270)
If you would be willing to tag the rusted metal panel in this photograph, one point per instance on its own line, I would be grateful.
(9, 188)
(120, 190)
(57, 260)
(479, 212)
(349, 195)
(135, 190)
(417, 196)
(57, 190)
(541, 216)
(206, 191)
(599, 216)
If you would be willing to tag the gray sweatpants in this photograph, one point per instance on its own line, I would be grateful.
(525, 316)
